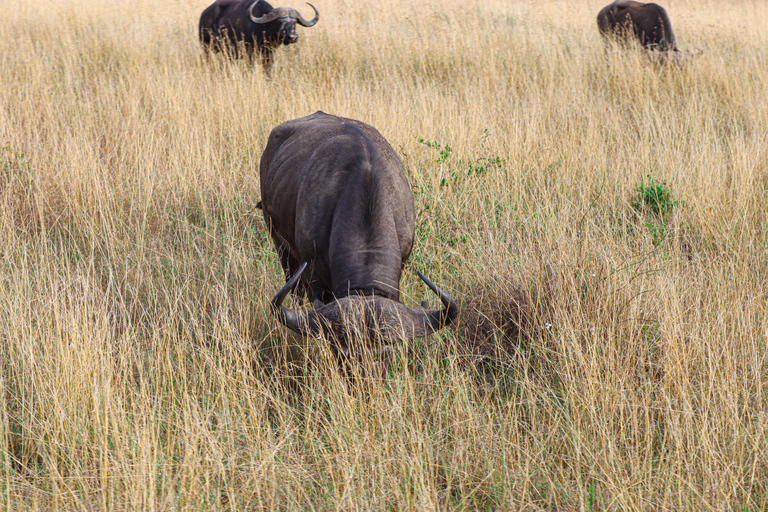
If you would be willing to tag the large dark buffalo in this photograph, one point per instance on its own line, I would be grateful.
(340, 211)
(646, 23)
(248, 26)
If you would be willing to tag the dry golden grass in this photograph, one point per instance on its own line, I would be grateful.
(608, 358)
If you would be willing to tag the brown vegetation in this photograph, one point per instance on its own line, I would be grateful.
(600, 218)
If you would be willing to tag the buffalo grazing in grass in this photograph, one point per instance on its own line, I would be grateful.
(340, 211)
(627, 20)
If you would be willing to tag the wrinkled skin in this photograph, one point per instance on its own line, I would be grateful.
(227, 25)
(646, 23)
(340, 211)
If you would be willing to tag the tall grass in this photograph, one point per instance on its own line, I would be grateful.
(611, 352)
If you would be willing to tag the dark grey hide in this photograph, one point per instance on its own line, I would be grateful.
(245, 27)
(340, 211)
(646, 23)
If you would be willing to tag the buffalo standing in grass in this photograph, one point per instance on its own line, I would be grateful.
(340, 211)
(246, 27)
(647, 23)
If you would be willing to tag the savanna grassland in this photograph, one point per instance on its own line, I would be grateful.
(600, 218)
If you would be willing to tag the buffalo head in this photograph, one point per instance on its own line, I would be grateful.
(281, 22)
(371, 318)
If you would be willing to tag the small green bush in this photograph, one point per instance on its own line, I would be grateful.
(654, 197)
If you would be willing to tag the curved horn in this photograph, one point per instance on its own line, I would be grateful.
(302, 322)
(436, 319)
(267, 18)
(302, 21)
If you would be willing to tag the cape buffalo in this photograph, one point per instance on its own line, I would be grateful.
(226, 25)
(340, 211)
(648, 23)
